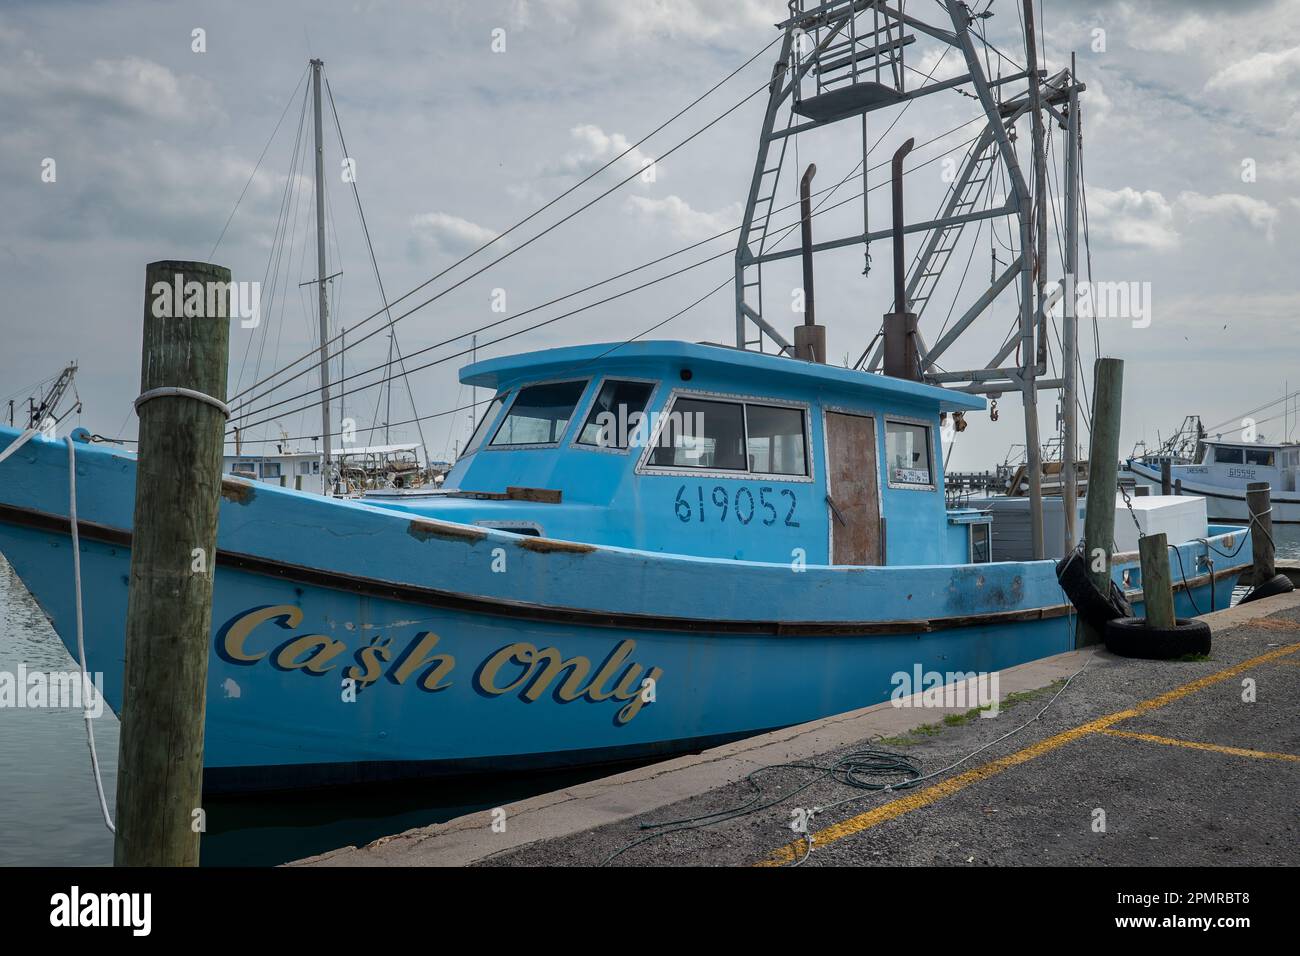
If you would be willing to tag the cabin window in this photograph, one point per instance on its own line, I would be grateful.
(617, 416)
(775, 440)
(744, 437)
(540, 414)
(476, 439)
(245, 469)
(700, 433)
(907, 451)
(979, 544)
(1260, 456)
(270, 469)
(304, 468)
(1227, 456)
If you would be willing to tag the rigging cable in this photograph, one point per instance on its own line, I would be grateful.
(498, 322)
(552, 202)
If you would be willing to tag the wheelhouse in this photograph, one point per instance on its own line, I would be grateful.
(710, 451)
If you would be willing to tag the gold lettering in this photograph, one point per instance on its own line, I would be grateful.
(633, 706)
(612, 663)
(571, 689)
(414, 657)
(327, 650)
(369, 658)
(232, 641)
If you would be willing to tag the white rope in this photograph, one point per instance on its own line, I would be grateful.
(86, 685)
(216, 403)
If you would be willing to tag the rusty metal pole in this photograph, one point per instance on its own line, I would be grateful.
(901, 358)
(809, 338)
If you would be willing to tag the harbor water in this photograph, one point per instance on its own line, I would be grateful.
(50, 816)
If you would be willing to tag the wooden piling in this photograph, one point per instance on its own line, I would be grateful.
(1259, 505)
(1157, 582)
(1166, 477)
(169, 606)
(1103, 476)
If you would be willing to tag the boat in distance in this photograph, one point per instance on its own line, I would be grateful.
(646, 548)
(1221, 471)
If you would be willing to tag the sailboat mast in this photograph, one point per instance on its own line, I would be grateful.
(323, 307)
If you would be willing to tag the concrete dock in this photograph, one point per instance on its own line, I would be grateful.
(1131, 762)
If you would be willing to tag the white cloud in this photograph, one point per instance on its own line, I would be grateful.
(594, 149)
(1128, 217)
(621, 21)
(1146, 219)
(449, 233)
(1148, 30)
(1257, 70)
(684, 222)
(129, 86)
(1252, 212)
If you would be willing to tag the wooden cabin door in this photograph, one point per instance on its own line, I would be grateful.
(853, 489)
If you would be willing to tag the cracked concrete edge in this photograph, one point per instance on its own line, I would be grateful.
(468, 839)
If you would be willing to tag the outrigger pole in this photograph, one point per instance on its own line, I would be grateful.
(851, 53)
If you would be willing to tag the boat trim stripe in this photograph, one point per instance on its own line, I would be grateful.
(502, 607)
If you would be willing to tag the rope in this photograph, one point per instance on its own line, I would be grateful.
(81, 635)
(176, 390)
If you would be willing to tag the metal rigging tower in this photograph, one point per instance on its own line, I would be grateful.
(843, 59)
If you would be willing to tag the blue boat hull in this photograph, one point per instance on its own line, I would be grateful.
(351, 642)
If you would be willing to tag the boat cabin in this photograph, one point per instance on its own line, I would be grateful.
(1238, 463)
(710, 451)
(288, 469)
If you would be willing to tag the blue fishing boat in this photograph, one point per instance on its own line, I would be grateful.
(646, 548)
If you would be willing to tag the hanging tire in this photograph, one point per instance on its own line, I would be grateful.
(1277, 584)
(1131, 637)
(1093, 606)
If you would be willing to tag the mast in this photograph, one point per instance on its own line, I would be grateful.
(322, 305)
(1069, 321)
(1031, 306)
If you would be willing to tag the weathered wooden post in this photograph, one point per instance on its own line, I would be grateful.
(169, 607)
(1157, 583)
(1103, 475)
(1261, 531)
(1166, 477)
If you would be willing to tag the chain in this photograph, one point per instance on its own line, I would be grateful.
(1128, 503)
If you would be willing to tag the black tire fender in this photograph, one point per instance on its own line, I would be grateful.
(1277, 584)
(1132, 637)
(1093, 606)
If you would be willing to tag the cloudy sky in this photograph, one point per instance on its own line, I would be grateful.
(462, 118)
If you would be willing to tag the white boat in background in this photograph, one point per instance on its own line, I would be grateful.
(1222, 470)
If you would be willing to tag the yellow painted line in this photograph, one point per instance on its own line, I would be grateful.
(932, 794)
(1197, 745)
